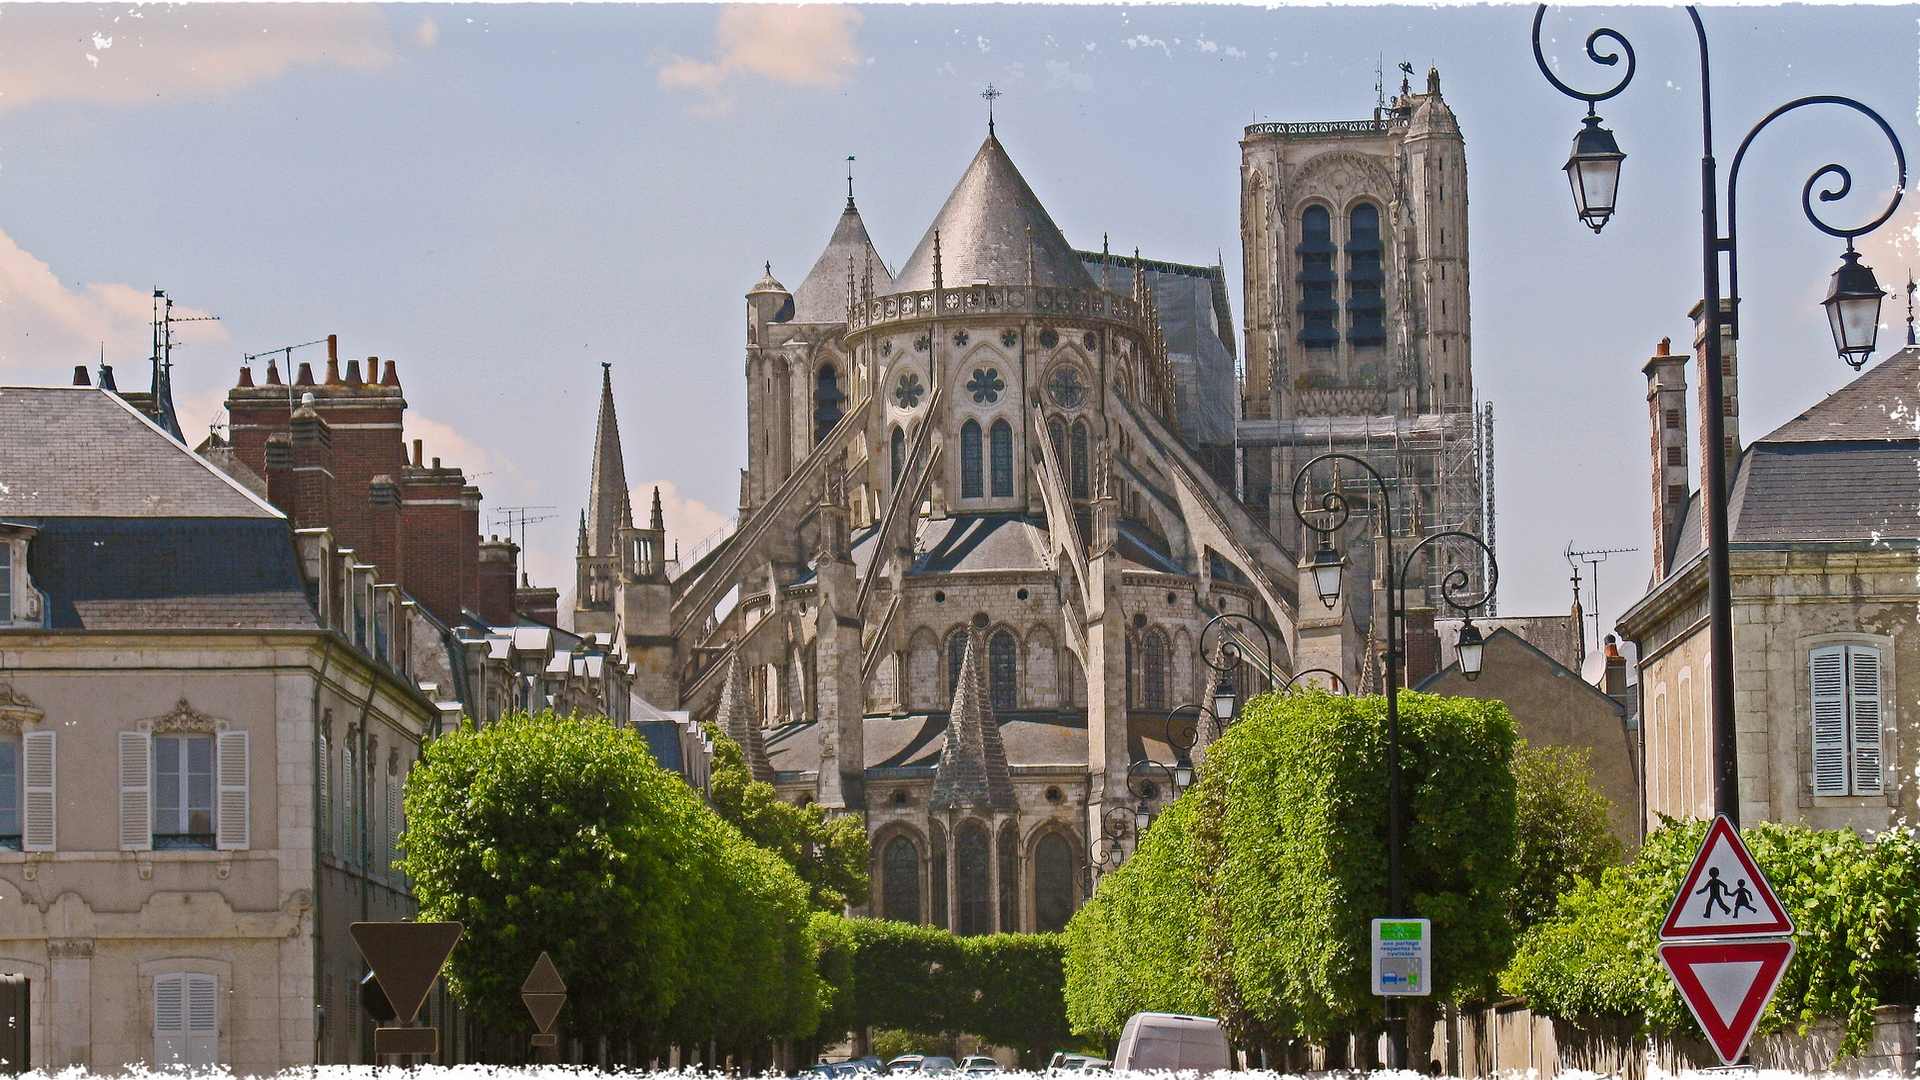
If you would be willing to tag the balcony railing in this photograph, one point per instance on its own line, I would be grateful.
(994, 299)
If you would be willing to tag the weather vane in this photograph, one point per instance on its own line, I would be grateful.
(990, 93)
(1910, 287)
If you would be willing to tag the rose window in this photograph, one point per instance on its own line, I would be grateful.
(908, 392)
(1067, 390)
(985, 386)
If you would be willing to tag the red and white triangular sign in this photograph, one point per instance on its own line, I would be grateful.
(1725, 894)
(1727, 985)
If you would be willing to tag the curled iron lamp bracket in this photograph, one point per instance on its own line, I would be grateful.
(1336, 685)
(1605, 59)
(1455, 584)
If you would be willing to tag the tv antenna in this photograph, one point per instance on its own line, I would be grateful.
(287, 351)
(1592, 559)
(519, 517)
(163, 320)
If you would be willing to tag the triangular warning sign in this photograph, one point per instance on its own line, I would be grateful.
(406, 957)
(1727, 985)
(1725, 894)
(544, 978)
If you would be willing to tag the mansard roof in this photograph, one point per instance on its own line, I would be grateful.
(983, 232)
(822, 297)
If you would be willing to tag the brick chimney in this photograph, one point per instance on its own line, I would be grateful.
(498, 571)
(1614, 682)
(386, 537)
(541, 604)
(276, 464)
(312, 446)
(1729, 397)
(1667, 416)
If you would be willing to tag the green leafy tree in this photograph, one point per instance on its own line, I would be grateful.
(831, 856)
(1856, 907)
(561, 835)
(1564, 827)
(1017, 985)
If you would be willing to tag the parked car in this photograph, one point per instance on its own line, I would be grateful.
(865, 1065)
(1171, 1042)
(822, 1071)
(1065, 1063)
(937, 1065)
(905, 1063)
(979, 1065)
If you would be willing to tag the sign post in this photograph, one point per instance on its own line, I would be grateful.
(1402, 957)
(1726, 941)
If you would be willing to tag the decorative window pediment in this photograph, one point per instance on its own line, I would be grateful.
(16, 710)
(183, 717)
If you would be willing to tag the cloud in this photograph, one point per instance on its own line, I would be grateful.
(795, 45)
(426, 33)
(1060, 74)
(46, 326)
(689, 521)
(456, 451)
(128, 54)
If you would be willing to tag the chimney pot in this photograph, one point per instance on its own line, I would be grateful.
(416, 453)
(1613, 651)
(306, 375)
(333, 348)
(246, 376)
(273, 374)
(333, 371)
(80, 375)
(436, 463)
(353, 373)
(391, 378)
(1665, 348)
(106, 378)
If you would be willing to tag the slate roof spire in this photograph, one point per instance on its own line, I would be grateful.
(983, 228)
(737, 719)
(607, 497)
(972, 771)
(822, 298)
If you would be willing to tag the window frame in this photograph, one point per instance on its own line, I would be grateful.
(1862, 769)
(183, 837)
(973, 483)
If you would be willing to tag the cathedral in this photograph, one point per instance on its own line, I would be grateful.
(995, 497)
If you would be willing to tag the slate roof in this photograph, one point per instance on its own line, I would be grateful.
(983, 233)
(971, 542)
(169, 573)
(1883, 403)
(822, 297)
(76, 451)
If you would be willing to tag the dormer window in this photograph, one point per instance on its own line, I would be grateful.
(6, 582)
(19, 601)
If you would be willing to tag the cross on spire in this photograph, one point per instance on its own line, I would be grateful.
(849, 181)
(990, 94)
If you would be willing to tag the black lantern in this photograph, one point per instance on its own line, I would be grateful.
(1142, 817)
(1853, 309)
(1473, 649)
(1183, 770)
(1327, 565)
(1594, 172)
(1224, 699)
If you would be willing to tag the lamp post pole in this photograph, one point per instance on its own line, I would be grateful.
(1853, 308)
(1456, 589)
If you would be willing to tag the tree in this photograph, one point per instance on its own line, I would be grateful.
(1564, 826)
(831, 856)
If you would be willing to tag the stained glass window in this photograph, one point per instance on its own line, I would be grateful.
(1001, 440)
(900, 880)
(1078, 469)
(1052, 883)
(1009, 878)
(985, 386)
(827, 400)
(971, 853)
(970, 478)
(1003, 672)
(908, 390)
(898, 448)
(1067, 390)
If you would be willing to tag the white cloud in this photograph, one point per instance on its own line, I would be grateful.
(455, 450)
(689, 521)
(128, 54)
(1060, 73)
(795, 45)
(426, 33)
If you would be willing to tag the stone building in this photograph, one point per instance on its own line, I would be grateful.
(1822, 523)
(983, 524)
(1359, 339)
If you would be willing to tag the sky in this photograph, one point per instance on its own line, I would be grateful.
(502, 197)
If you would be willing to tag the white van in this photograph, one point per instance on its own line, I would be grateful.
(1169, 1041)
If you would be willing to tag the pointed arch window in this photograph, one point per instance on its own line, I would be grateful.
(898, 447)
(1366, 303)
(1318, 308)
(971, 486)
(1078, 469)
(1000, 444)
(972, 861)
(828, 401)
(1153, 671)
(1003, 672)
(900, 880)
(1052, 883)
(1009, 878)
(937, 875)
(1057, 435)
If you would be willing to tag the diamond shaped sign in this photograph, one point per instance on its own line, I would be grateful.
(1727, 985)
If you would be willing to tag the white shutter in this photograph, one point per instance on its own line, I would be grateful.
(203, 1020)
(230, 813)
(1829, 720)
(37, 832)
(169, 1021)
(1863, 714)
(136, 791)
(323, 824)
(393, 823)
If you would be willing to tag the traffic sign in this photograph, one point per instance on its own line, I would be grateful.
(1727, 985)
(1724, 894)
(405, 957)
(1402, 957)
(544, 993)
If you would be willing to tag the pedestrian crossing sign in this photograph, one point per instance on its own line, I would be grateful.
(1724, 894)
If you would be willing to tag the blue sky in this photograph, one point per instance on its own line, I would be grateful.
(501, 197)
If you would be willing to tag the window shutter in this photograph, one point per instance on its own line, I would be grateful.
(203, 1020)
(170, 1020)
(230, 815)
(1863, 714)
(1829, 720)
(323, 823)
(37, 832)
(136, 791)
(393, 823)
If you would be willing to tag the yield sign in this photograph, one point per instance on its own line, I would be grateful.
(1725, 895)
(405, 957)
(1727, 985)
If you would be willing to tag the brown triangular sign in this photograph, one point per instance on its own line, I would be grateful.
(544, 978)
(406, 957)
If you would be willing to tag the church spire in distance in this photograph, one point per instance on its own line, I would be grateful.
(607, 498)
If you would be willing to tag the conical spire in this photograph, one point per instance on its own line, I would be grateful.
(984, 227)
(607, 498)
(822, 297)
(973, 764)
(658, 523)
(736, 718)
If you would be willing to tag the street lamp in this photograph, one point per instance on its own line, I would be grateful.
(1327, 565)
(1456, 590)
(1594, 171)
(1473, 650)
(1853, 313)
(1234, 643)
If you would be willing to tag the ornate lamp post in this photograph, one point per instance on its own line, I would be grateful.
(1852, 303)
(1332, 511)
